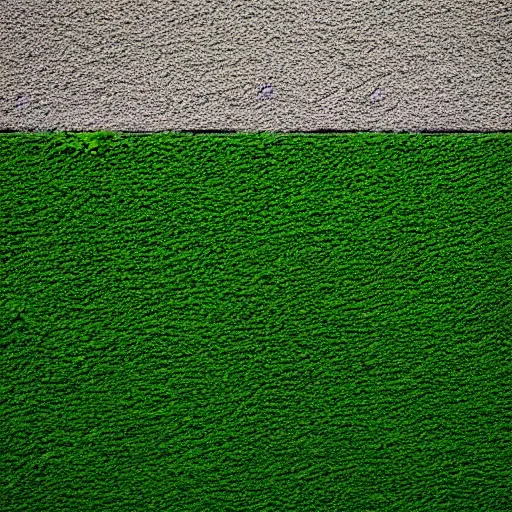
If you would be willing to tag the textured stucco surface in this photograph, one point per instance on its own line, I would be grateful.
(256, 65)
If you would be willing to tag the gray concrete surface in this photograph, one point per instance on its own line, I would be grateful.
(294, 65)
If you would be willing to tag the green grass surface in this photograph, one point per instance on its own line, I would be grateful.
(256, 322)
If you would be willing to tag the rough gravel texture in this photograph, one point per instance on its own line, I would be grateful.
(265, 65)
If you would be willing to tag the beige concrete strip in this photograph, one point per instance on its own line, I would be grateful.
(249, 65)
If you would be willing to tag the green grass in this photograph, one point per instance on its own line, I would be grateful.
(255, 322)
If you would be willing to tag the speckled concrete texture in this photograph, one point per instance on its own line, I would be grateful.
(295, 65)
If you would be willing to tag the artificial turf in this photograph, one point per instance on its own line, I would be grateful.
(256, 322)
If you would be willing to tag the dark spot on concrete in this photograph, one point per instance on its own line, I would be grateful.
(376, 95)
(266, 92)
(22, 101)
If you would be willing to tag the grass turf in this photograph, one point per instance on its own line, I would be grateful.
(255, 322)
